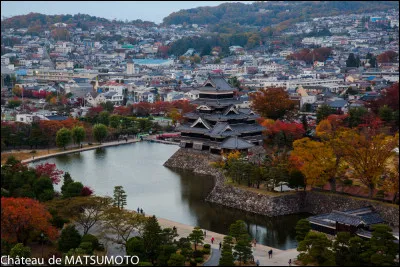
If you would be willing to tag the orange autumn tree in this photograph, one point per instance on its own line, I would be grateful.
(21, 218)
(316, 160)
(367, 155)
(272, 103)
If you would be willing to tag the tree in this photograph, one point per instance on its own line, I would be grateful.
(89, 210)
(152, 238)
(386, 113)
(272, 103)
(237, 229)
(323, 112)
(351, 61)
(63, 137)
(356, 116)
(243, 248)
(227, 258)
(99, 132)
(382, 250)
(176, 260)
(69, 239)
(303, 227)
(121, 224)
(66, 182)
(348, 249)
(49, 170)
(103, 117)
(21, 217)
(20, 251)
(43, 189)
(135, 247)
(367, 155)
(391, 182)
(196, 236)
(315, 160)
(315, 248)
(119, 197)
(73, 189)
(78, 134)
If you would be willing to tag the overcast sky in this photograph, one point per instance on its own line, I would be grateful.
(145, 10)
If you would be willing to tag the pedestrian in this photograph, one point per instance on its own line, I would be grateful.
(126, 139)
(138, 210)
(255, 242)
(212, 240)
(258, 262)
(220, 245)
(33, 157)
(270, 254)
(141, 211)
(205, 233)
(290, 262)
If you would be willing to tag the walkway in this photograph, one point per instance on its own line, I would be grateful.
(108, 144)
(214, 260)
(280, 257)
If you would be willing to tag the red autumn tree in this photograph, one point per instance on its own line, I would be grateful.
(123, 111)
(50, 170)
(142, 108)
(272, 103)
(282, 133)
(22, 217)
(387, 57)
(86, 191)
(390, 97)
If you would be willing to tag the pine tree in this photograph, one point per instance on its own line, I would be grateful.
(119, 197)
(152, 237)
(243, 248)
(226, 253)
(196, 236)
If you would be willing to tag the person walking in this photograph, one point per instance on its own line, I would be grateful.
(138, 210)
(270, 254)
(205, 233)
(290, 262)
(141, 211)
(258, 262)
(220, 245)
(212, 240)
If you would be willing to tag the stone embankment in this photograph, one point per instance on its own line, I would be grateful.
(288, 203)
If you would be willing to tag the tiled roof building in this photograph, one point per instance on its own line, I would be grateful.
(217, 124)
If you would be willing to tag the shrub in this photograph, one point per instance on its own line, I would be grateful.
(87, 246)
(20, 251)
(197, 254)
(193, 263)
(69, 239)
(207, 246)
(199, 260)
(91, 239)
(206, 251)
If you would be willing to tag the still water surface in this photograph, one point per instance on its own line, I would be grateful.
(170, 194)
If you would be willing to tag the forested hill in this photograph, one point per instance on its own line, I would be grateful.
(80, 20)
(262, 13)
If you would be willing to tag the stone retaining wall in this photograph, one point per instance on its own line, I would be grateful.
(289, 203)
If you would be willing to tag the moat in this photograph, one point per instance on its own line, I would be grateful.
(170, 194)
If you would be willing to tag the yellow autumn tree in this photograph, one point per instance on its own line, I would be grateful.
(391, 181)
(316, 161)
(368, 155)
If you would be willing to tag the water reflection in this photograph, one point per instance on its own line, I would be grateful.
(172, 194)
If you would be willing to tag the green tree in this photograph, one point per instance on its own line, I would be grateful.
(20, 251)
(243, 248)
(227, 258)
(103, 117)
(165, 253)
(135, 247)
(69, 239)
(108, 106)
(237, 229)
(115, 120)
(323, 112)
(43, 189)
(356, 115)
(100, 132)
(119, 197)
(176, 260)
(315, 248)
(73, 189)
(63, 137)
(78, 134)
(352, 61)
(386, 113)
(67, 180)
(382, 249)
(296, 179)
(152, 238)
(303, 227)
(196, 236)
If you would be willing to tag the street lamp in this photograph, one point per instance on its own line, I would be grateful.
(42, 239)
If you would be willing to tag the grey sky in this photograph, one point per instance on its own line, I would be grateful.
(145, 10)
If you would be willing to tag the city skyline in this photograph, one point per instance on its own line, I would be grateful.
(119, 10)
